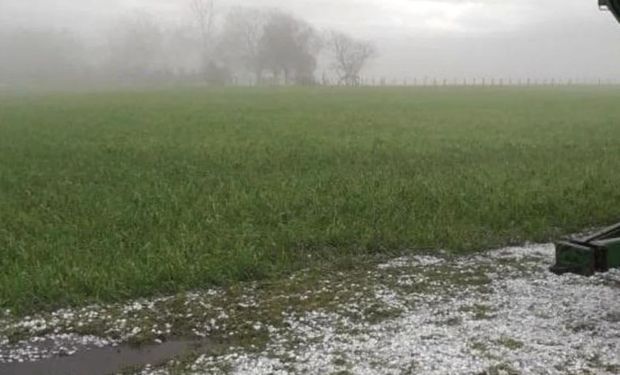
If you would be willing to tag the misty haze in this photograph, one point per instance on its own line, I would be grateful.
(321, 187)
(66, 42)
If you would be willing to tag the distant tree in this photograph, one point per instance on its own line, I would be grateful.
(288, 49)
(136, 47)
(180, 51)
(349, 56)
(203, 12)
(239, 44)
(218, 75)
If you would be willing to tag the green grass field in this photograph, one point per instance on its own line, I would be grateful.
(108, 196)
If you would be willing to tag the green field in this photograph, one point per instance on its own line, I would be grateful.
(109, 196)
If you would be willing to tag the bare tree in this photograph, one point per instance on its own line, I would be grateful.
(239, 44)
(136, 47)
(350, 56)
(204, 15)
(180, 49)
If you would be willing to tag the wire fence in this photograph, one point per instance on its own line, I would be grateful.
(370, 81)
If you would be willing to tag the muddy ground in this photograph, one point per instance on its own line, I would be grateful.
(499, 312)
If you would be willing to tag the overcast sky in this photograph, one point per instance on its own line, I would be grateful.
(416, 38)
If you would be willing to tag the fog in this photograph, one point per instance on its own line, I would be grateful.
(69, 42)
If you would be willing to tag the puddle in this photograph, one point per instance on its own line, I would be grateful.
(106, 361)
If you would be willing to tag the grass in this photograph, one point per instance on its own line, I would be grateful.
(108, 196)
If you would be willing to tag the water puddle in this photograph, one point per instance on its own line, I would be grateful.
(106, 361)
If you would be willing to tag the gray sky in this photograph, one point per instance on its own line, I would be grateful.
(416, 38)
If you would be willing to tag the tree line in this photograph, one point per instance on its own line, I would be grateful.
(239, 46)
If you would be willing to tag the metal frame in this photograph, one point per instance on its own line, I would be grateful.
(612, 5)
(585, 256)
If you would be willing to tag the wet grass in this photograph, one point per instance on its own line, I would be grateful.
(109, 196)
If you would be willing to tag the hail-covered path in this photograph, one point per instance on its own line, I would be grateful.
(499, 312)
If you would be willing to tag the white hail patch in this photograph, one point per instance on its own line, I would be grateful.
(497, 312)
(529, 322)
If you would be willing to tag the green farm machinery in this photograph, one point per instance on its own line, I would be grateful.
(612, 5)
(598, 252)
(585, 256)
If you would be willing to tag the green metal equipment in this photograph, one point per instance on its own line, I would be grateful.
(585, 256)
(598, 252)
(612, 5)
